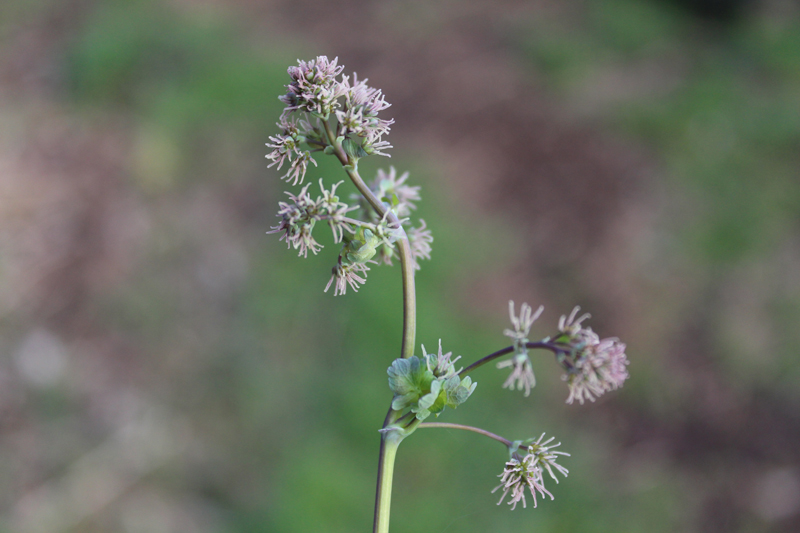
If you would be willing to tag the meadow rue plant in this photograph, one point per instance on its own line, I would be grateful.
(327, 115)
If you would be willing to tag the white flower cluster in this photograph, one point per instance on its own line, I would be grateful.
(299, 216)
(527, 472)
(522, 371)
(359, 116)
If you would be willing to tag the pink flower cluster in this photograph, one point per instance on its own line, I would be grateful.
(594, 366)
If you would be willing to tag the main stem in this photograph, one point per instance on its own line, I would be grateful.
(383, 497)
(389, 440)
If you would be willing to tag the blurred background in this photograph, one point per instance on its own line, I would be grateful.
(168, 367)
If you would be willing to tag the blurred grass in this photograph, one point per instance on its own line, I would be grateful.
(724, 121)
(300, 372)
(286, 385)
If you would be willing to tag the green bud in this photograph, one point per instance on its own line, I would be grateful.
(387, 253)
(362, 247)
(353, 149)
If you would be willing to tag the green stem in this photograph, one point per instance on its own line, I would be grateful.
(403, 246)
(390, 440)
(480, 431)
(383, 499)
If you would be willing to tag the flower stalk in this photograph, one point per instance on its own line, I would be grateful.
(340, 118)
(462, 427)
(406, 262)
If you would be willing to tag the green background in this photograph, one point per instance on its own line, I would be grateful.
(168, 367)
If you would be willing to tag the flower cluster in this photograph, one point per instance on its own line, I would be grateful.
(358, 250)
(392, 190)
(593, 366)
(344, 274)
(327, 114)
(527, 472)
(299, 216)
(286, 148)
(522, 372)
(420, 240)
(337, 117)
(428, 385)
(314, 88)
(316, 91)
(440, 363)
(359, 115)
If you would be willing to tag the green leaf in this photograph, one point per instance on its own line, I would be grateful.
(409, 379)
(458, 390)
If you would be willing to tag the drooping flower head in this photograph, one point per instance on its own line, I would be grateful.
(526, 472)
(420, 240)
(593, 366)
(597, 369)
(521, 376)
(353, 274)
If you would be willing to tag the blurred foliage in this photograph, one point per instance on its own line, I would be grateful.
(284, 387)
(723, 117)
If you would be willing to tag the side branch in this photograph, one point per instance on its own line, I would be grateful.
(510, 349)
(480, 431)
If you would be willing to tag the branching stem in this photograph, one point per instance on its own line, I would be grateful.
(555, 348)
(480, 431)
(389, 440)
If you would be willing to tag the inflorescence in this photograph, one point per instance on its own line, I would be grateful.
(593, 366)
(327, 113)
(527, 471)
(522, 371)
